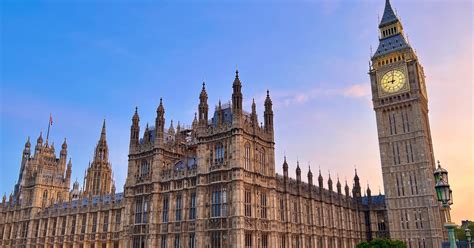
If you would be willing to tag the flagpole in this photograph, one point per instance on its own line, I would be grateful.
(49, 125)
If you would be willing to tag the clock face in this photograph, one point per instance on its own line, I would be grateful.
(392, 81)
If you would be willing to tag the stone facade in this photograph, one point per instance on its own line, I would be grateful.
(212, 184)
(401, 106)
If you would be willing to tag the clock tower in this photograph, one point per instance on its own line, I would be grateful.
(406, 151)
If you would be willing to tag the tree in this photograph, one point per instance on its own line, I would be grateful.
(461, 233)
(382, 243)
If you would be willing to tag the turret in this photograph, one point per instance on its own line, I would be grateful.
(369, 195)
(171, 131)
(237, 97)
(135, 130)
(310, 176)
(330, 182)
(346, 189)
(195, 121)
(160, 123)
(356, 190)
(268, 114)
(102, 149)
(63, 155)
(338, 186)
(254, 117)
(219, 115)
(320, 180)
(39, 143)
(298, 172)
(285, 168)
(26, 151)
(203, 107)
(68, 172)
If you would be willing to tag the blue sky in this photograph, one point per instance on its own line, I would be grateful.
(84, 61)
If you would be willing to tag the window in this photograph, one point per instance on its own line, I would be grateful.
(165, 209)
(216, 239)
(192, 209)
(247, 157)
(163, 241)
(219, 203)
(265, 240)
(145, 212)
(308, 213)
(94, 222)
(192, 240)
(295, 212)
(45, 198)
(219, 153)
(261, 161)
(118, 219)
(248, 240)
(83, 228)
(179, 203)
(177, 241)
(282, 209)
(248, 203)
(283, 241)
(144, 168)
(138, 211)
(263, 206)
(105, 227)
(73, 225)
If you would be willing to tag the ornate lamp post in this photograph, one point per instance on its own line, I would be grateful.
(445, 196)
(468, 237)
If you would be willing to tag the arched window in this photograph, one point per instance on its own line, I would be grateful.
(144, 168)
(219, 153)
(45, 197)
(247, 156)
(261, 161)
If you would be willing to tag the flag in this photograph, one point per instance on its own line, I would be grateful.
(50, 119)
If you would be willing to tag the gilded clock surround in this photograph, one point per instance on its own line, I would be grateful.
(393, 80)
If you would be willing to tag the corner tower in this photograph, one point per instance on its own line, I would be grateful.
(401, 107)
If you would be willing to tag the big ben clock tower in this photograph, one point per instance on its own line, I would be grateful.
(401, 106)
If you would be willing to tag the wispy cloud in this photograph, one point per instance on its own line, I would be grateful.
(287, 98)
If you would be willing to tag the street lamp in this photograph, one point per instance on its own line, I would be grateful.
(445, 196)
(468, 237)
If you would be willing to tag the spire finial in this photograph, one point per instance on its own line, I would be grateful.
(102, 133)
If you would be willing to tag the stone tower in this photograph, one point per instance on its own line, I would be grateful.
(401, 106)
(98, 177)
(44, 179)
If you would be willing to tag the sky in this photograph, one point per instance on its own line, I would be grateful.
(84, 61)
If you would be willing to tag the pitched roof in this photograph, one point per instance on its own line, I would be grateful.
(389, 16)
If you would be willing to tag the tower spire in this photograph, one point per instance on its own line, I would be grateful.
(237, 96)
(389, 16)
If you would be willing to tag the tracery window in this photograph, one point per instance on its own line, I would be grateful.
(219, 202)
(192, 209)
(248, 203)
(248, 240)
(179, 206)
(263, 206)
(144, 168)
(165, 209)
(219, 149)
(247, 156)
